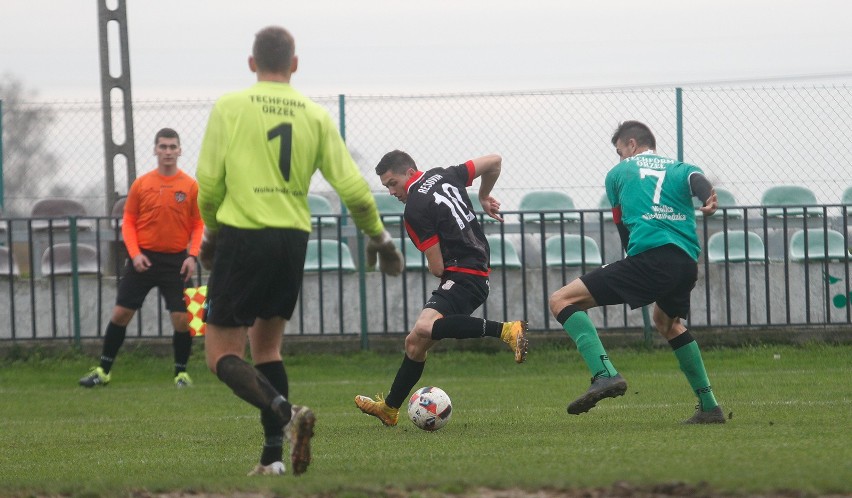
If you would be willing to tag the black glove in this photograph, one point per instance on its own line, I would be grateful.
(381, 247)
(208, 249)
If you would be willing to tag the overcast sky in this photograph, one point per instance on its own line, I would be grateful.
(198, 48)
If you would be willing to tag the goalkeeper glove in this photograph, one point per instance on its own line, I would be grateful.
(390, 259)
(208, 249)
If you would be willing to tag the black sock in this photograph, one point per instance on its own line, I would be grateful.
(182, 346)
(464, 327)
(113, 339)
(252, 386)
(273, 449)
(272, 429)
(406, 377)
(277, 376)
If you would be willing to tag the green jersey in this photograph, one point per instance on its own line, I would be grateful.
(260, 149)
(655, 200)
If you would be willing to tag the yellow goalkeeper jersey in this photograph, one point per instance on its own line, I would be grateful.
(260, 149)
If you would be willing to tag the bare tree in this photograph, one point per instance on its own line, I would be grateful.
(24, 150)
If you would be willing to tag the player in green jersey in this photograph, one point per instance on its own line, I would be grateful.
(261, 148)
(651, 197)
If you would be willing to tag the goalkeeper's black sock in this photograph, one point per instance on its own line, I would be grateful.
(182, 346)
(277, 376)
(406, 377)
(113, 339)
(464, 327)
(273, 431)
(252, 386)
(273, 449)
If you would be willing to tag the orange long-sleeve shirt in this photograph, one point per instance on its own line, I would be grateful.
(161, 214)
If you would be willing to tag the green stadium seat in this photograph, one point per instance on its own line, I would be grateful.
(321, 207)
(794, 197)
(414, 259)
(846, 200)
(547, 200)
(7, 270)
(60, 210)
(335, 256)
(503, 252)
(736, 247)
(483, 218)
(726, 200)
(60, 255)
(390, 209)
(818, 240)
(571, 255)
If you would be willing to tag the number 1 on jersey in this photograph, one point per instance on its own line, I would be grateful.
(285, 132)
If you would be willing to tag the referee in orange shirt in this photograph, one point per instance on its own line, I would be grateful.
(161, 220)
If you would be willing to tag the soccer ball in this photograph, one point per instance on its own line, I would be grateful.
(430, 408)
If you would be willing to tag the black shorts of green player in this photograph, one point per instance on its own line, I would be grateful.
(665, 275)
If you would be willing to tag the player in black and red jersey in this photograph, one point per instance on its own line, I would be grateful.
(440, 220)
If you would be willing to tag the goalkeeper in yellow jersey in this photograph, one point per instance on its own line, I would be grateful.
(261, 148)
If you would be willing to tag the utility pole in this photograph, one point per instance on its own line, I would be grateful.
(115, 84)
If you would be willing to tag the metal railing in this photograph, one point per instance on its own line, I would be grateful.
(784, 277)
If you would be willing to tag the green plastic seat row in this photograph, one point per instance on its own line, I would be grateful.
(821, 245)
(328, 255)
(320, 208)
(726, 200)
(736, 244)
(776, 198)
(568, 250)
(793, 199)
(547, 200)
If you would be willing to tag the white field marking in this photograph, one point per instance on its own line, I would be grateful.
(755, 403)
(127, 420)
(636, 406)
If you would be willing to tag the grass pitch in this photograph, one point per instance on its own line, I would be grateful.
(790, 427)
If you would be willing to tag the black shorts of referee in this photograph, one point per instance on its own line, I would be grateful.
(164, 273)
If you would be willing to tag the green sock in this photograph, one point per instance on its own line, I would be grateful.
(582, 331)
(689, 356)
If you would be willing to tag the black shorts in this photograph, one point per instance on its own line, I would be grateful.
(459, 294)
(256, 274)
(665, 275)
(164, 274)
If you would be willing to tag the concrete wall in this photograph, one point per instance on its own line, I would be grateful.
(778, 292)
(732, 295)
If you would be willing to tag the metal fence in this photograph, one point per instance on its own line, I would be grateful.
(760, 266)
(746, 139)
